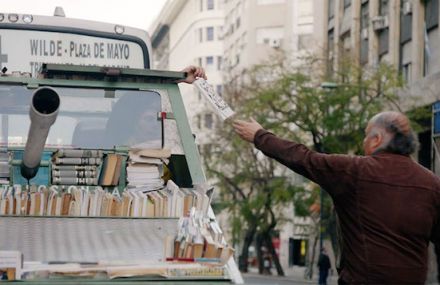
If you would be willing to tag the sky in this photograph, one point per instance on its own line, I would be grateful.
(134, 13)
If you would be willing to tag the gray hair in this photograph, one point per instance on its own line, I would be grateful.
(403, 140)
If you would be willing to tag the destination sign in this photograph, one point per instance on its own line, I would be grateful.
(26, 51)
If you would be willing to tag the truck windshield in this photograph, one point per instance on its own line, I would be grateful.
(88, 118)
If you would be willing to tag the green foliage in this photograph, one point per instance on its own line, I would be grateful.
(295, 105)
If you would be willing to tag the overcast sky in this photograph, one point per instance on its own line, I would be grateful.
(134, 13)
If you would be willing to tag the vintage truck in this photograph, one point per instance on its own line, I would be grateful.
(100, 177)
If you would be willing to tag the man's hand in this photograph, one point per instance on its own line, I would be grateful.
(192, 73)
(247, 130)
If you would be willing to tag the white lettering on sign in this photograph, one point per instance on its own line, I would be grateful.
(26, 51)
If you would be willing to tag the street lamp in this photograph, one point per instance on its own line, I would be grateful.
(324, 85)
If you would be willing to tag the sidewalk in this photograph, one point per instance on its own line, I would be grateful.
(294, 275)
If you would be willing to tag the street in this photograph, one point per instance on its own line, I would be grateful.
(255, 279)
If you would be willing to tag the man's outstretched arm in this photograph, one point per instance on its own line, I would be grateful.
(326, 170)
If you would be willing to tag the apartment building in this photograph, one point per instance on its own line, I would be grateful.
(188, 32)
(227, 37)
(403, 33)
(256, 29)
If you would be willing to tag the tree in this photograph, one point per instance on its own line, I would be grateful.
(291, 101)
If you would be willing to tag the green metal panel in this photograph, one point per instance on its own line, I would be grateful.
(189, 146)
(95, 70)
(35, 83)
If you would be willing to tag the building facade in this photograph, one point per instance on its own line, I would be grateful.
(188, 32)
(254, 30)
(403, 33)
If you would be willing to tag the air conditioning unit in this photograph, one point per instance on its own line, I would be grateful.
(364, 34)
(407, 8)
(379, 23)
(275, 43)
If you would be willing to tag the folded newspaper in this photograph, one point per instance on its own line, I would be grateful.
(220, 106)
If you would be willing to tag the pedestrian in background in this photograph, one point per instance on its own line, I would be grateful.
(324, 266)
(388, 205)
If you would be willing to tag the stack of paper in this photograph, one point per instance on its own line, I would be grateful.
(145, 168)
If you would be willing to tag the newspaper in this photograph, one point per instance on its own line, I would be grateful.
(220, 106)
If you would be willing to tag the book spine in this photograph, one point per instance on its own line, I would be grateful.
(76, 161)
(79, 153)
(74, 167)
(74, 173)
(74, 181)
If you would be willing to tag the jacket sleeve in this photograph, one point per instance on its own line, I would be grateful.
(435, 239)
(335, 173)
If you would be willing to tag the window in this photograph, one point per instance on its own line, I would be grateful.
(209, 121)
(219, 89)
(383, 41)
(210, 4)
(209, 60)
(406, 72)
(364, 32)
(383, 34)
(200, 35)
(383, 7)
(90, 120)
(330, 51)
(331, 9)
(199, 122)
(210, 34)
(219, 63)
(219, 32)
(237, 22)
(405, 23)
(431, 14)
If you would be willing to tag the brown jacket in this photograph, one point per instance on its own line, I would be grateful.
(387, 204)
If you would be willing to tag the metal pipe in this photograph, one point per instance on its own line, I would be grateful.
(43, 113)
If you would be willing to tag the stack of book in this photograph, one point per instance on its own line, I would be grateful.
(94, 201)
(111, 170)
(76, 167)
(4, 167)
(200, 238)
(145, 168)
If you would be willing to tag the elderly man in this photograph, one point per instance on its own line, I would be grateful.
(388, 205)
